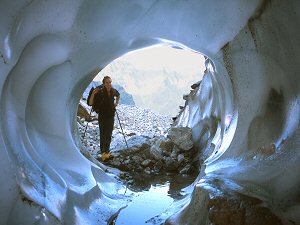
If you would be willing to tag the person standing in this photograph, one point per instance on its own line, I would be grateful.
(104, 100)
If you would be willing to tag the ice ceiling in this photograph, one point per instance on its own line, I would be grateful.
(249, 99)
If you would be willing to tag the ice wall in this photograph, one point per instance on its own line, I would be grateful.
(245, 114)
(51, 50)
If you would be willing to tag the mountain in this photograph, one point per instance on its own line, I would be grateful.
(158, 89)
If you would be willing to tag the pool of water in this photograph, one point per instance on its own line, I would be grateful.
(152, 196)
(145, 205)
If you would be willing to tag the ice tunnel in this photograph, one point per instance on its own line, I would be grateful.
(244, 116)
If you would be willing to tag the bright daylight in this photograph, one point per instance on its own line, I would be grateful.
(152, 75)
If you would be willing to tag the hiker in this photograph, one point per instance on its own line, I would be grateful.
(104, 103)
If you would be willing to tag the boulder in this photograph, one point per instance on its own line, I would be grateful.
(137, 159)
(182, 137)
(146, 162)
(166, 145)
(195, 85)
(170, 164)
(180, 158)
(186, 169)
(156, 150)
(84, 112)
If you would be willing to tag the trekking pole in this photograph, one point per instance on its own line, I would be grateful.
(87, 122)
(122, 129)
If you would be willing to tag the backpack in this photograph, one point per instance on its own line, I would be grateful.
(98, 101)
(89, 96)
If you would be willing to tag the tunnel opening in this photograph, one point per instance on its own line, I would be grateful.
(153, 84)
(147, 158)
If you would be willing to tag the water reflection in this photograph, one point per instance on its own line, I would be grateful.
(154, 195)
(174, 182)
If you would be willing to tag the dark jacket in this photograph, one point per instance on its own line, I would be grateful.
(104, 104)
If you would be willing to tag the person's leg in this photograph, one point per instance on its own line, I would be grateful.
(108, 124)
(105, 131)
(102, 132)
(109, 130)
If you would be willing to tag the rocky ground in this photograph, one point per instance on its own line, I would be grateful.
(136, 123)
(157, 150)
(153, 146)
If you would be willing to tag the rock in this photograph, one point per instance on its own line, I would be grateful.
(116, 162)
(170, 164)
(166, 145)
(186, 145)
(185, 97)
(82, 112)
(158, 164)
(131, 134)
(130, 166)
(137, 159)
(149, 135)
(267, 150)
(147, 170)
(240, 210)
(149, 151)
(130, 182)
(175, 151)
(166, 153)
(185, 169)
(195, 85)
(145, 147)
(155, 149)
(182, 137)
(122, 176)
(156, 169)
(146, 162)
(173, 155)
(180, 158)
(139, 168)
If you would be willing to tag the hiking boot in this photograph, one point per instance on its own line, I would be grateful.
(110, 156)
(105, 156)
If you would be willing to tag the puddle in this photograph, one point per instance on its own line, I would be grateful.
(145, 205)
(158, 194)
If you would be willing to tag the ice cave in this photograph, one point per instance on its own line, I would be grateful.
(244, 116)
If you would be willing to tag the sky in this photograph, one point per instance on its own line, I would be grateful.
(183, 61)
(157, 70)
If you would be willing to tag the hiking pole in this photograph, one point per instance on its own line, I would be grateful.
(121, 128)
(87, 122)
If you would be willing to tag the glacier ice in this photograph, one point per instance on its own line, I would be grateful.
(249, 98)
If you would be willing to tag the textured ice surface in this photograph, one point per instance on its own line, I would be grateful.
(51, 50)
